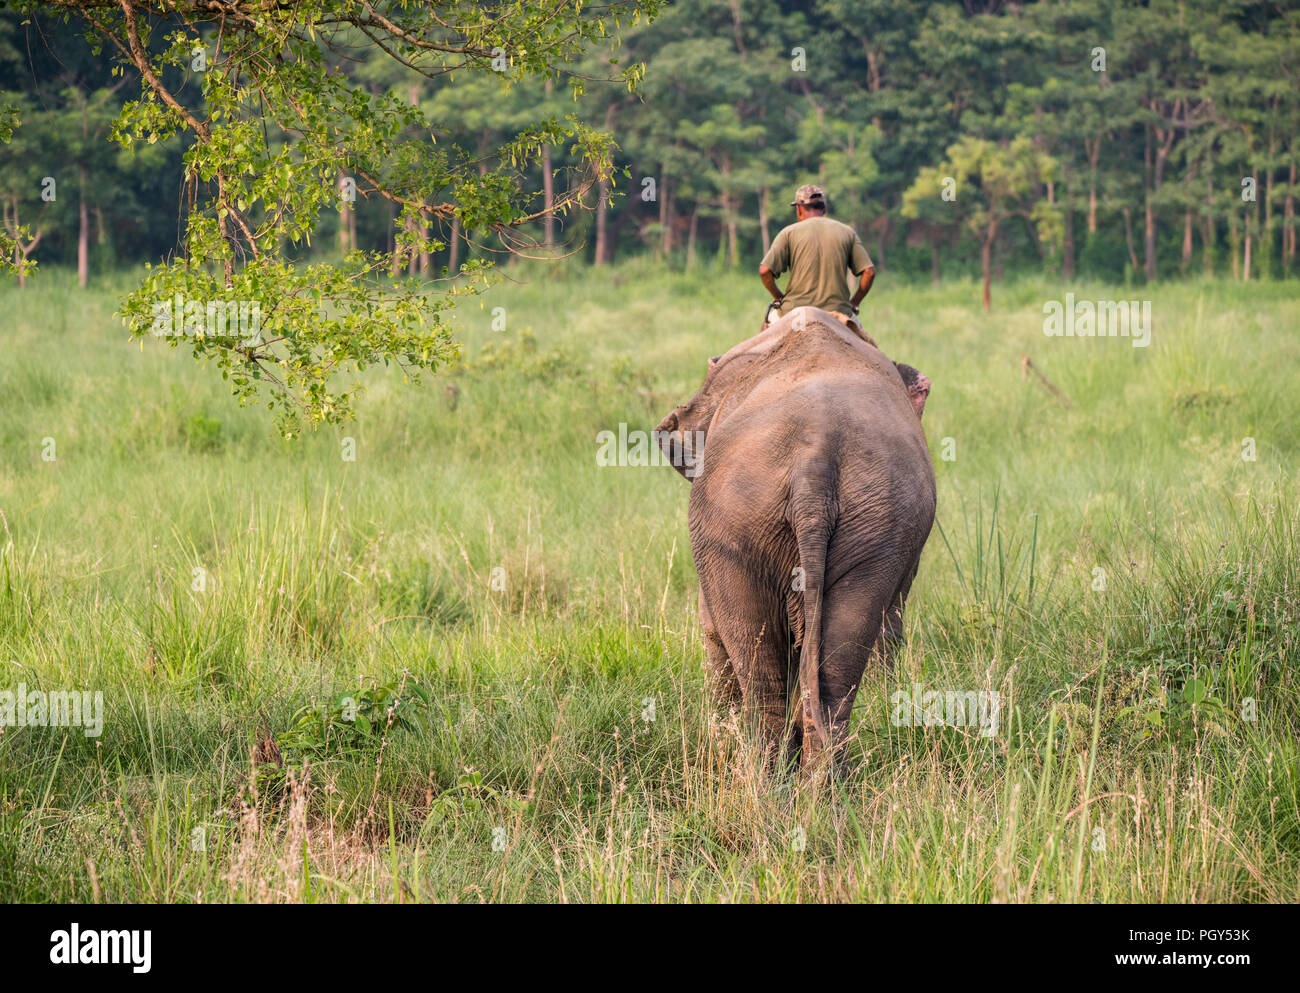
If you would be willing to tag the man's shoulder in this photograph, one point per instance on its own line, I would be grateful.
(836, 228)
(816, 229)
(809, 227)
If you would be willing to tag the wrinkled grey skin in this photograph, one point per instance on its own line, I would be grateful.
(814, 465)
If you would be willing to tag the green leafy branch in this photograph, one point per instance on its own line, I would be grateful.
(279, 123)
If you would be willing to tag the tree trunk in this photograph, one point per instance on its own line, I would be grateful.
(83, 234)
(763, 219)
(728, 204)
(1208, 234)
(1268, 198)
(615, 228)
(1149, 226)
(1266, 239)
(1288, 227)
(691, 237)
(453, 263)
(883, 246)
(1209, 230)
(1234, 240)
(1245, 255)
(987, 270)
(733, 243)
(665, 217)
(1046, 252)
(986, 260)
(1252, 225)
(1188, 225)
(1128, 238)
(1067, 263)
(1093, 148)
(101, 233)
(1149, 241)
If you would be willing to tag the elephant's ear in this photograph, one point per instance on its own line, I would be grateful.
(683, 445)
(681, 435)
(917, 384)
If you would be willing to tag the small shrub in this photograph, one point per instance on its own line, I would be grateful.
(355, 722)
(203, 434)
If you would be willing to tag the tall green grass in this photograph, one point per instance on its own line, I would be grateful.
(1114, 568)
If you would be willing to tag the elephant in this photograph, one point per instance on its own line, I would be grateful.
(812, 496)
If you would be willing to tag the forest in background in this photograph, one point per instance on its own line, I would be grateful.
(1114, 140)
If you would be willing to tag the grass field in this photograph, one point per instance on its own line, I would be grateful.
(545, 606)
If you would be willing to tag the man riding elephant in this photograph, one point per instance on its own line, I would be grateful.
(812, 496)
(817, 252)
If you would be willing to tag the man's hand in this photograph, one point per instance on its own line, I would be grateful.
(864, 286)
(765, 274)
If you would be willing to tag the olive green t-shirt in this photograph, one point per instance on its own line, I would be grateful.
(817, 252)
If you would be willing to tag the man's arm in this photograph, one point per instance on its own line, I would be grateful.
(765, 274)
(864, 285)
(860, 262)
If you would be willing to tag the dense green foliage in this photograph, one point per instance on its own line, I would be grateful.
(743, 99)
(277, 132)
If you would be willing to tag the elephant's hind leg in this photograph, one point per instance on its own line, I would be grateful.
(724, 687)
(853, 615)
(892, 639)
(755, 646)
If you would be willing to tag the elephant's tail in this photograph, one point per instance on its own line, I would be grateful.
(812, 537)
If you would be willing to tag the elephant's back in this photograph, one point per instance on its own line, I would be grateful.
(850, 432)
(861, 411)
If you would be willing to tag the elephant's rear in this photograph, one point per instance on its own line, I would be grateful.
(862, 502)
(863, 442)
(814, 501)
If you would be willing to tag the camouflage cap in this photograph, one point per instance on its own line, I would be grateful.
(808, 194)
